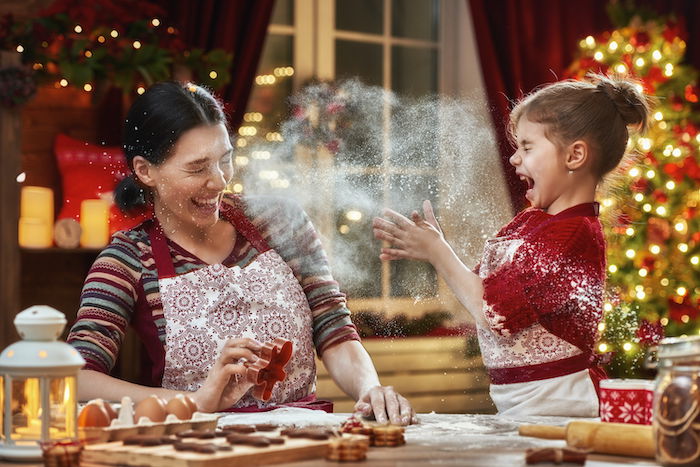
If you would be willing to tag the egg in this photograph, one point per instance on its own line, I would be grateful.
(152, 408)
(93, 415)
(178, 407)
(191, 404)
(109, 409)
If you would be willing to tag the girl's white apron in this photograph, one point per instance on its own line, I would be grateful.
(570, 395)
(206, 307)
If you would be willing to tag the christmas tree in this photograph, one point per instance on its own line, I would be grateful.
(650, 216)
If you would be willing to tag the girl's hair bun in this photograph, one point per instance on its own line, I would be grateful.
(628, 98)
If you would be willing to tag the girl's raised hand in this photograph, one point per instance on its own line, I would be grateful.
(413, 238)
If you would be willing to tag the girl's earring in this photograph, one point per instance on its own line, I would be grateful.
(570, 172)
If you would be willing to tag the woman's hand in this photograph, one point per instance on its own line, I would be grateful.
(385, 404)
(414, 238)
(226, 382)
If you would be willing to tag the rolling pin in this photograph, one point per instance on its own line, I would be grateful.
(606, 438)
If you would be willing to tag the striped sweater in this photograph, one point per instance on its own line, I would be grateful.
(121, 288)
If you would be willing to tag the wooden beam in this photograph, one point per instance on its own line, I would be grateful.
(10, 136)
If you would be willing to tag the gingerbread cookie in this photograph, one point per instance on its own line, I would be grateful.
(352, 449)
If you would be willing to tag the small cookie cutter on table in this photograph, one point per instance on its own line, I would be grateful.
(269, 368)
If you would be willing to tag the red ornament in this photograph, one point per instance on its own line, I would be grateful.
(650, 333)
(659, 195)
(640, 185)
(649, 263)
(640, 39)
(658, 231)
(675, 171)
(691, 93)
(676, 310)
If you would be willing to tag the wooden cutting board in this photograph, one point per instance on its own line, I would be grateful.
(116, 453)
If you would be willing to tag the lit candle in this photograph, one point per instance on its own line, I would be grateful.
(94, 222)
(36, 217)
(34, 233)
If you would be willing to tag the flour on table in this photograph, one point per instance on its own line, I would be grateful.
(286, 416)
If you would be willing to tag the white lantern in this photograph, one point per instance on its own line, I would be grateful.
(38, 377)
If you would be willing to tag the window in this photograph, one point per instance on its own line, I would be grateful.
(393, 45)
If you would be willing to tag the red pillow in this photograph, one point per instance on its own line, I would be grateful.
(89, 171)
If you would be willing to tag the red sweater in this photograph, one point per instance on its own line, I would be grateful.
(556, 276)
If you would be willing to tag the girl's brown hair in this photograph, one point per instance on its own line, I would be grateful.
(597, 111)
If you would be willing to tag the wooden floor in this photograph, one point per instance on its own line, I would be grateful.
(432, 372)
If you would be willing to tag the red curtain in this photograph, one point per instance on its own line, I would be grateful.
(237, 26)
(525, 43)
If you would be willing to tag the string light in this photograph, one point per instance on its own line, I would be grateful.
(603, 347)
(114, 33)
(677, 152)
(627, 346)
(607, 307)
(78, 28)
(241, 143)
(641, 294)
(629, 231)
(598, 56)
(590, 41)
(681, 291)
(681, 227)
(242, 160)
(670, 184)
(621, 68)
(137, 44)
(650, 174)
(639, 62)
(639, 197)
(607, 202)
(101, 39)
(261, 155)
(656, 55)
(612, 46)
(344, 229)
(88, 53)
(213, 74)
(655, 249)
(63, 82)
(643, 272)
(668, 70)
(140, 90)
(661, 210)
(247, 131)
(644, 144)
(634, 172)
(664, 282)
(155, 22)
(668, 150)
(658, 116)
(87, 87)
(237, 187)
(646, 207)
(685, 318)
(695, 260)
(20, 49)
(663, 321)
(630, 253)
(612, 268)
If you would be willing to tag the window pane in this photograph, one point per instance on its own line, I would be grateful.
(356, 264)
(358, 59)
(412, 278)
(267, 106)
(283, 12)
(359, 15)
(413, 70)
(415, 19)
(360, 125)
(415, 128)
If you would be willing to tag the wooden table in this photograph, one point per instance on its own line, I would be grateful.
(471, 440)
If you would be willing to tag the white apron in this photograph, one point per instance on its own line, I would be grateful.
(532, 355)
(206, 307)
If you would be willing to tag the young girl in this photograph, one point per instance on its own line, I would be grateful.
(537, 294)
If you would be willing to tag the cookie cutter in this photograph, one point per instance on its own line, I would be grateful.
(269, 368)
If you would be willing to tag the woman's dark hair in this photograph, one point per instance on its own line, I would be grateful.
(155, 122)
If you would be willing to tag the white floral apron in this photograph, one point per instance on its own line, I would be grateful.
(206, 307)
(533, 372)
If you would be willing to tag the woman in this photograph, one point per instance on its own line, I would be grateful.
(211, 277)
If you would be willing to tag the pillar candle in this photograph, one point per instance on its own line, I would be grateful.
(94, 222)
(34, 233)
(36, 206)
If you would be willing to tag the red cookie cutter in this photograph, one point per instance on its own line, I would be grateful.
(269, 368)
